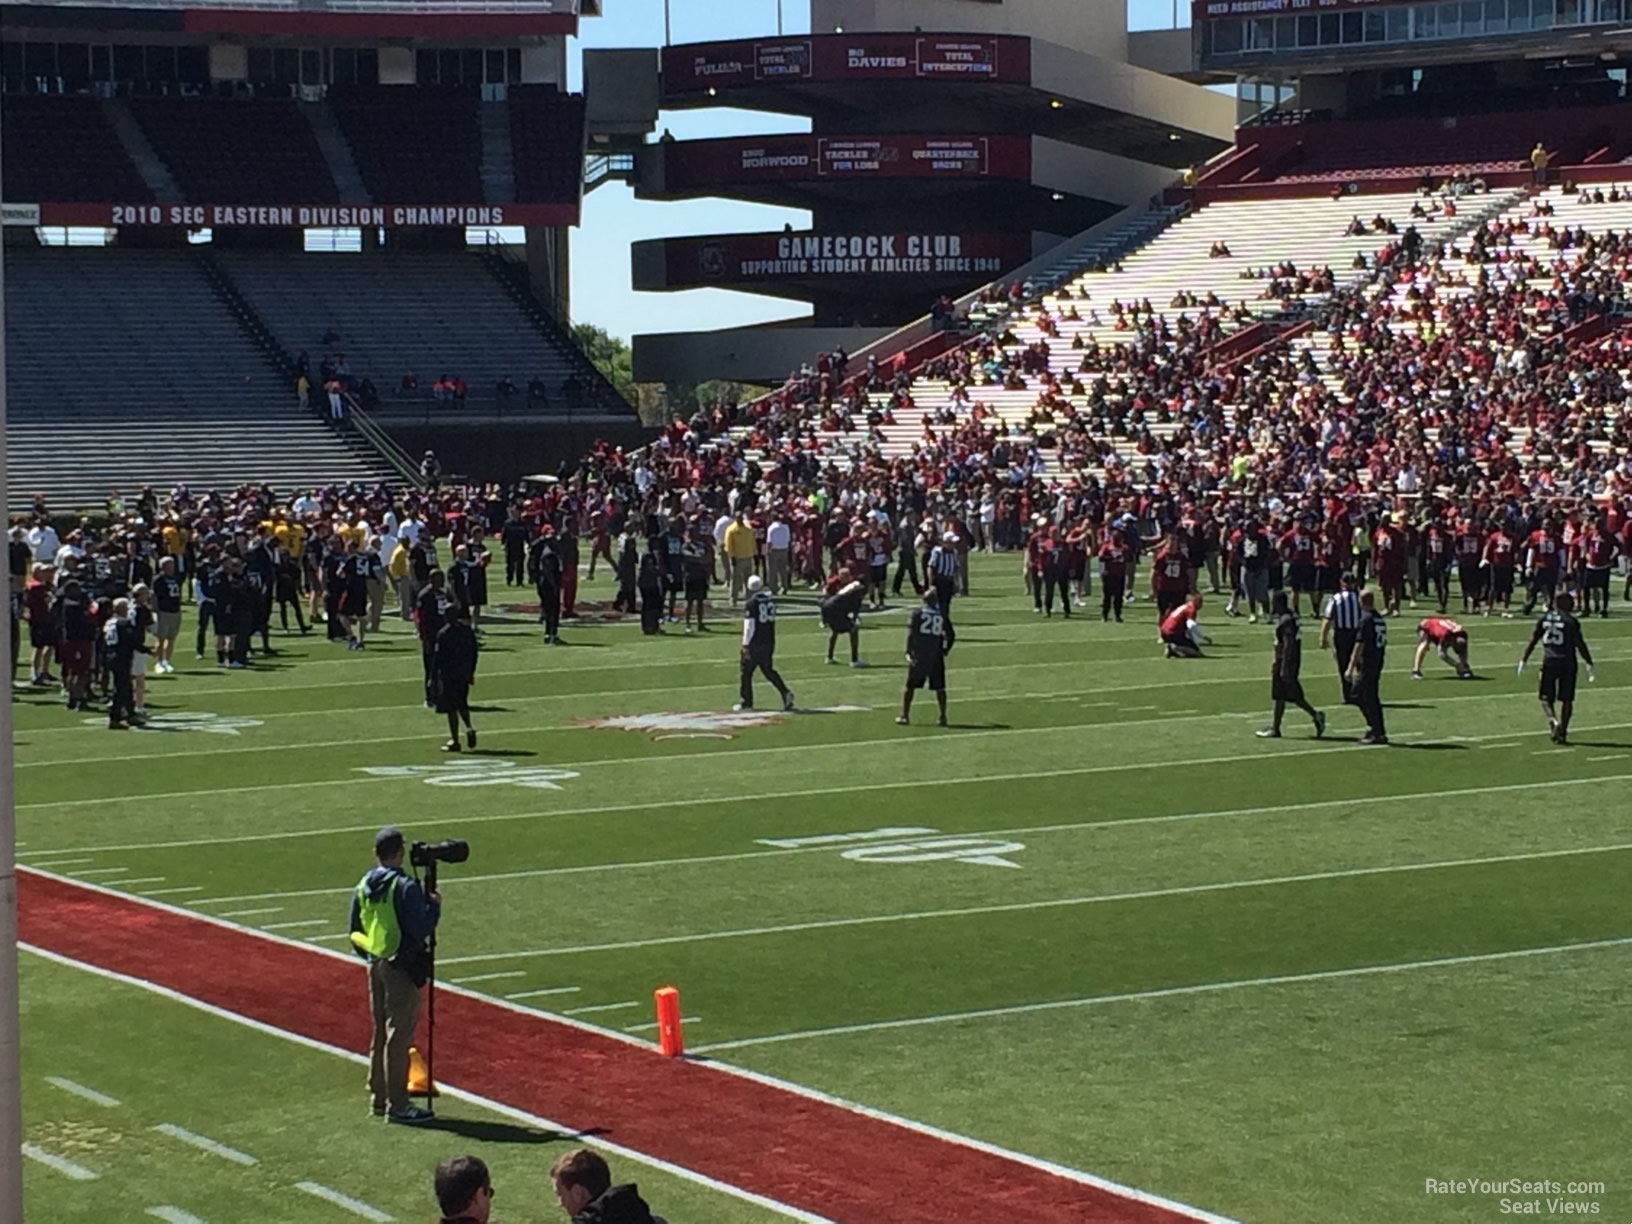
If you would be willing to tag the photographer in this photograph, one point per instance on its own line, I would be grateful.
(392, 918)
(464, 1190)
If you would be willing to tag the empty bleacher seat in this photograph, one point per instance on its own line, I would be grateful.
(547, 135)
(413, 144)
(237, 151)
(63, 149)
(429, 312)
(123, 369)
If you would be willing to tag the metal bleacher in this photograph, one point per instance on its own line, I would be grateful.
(124, 370)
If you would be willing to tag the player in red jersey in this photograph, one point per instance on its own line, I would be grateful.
(1170, 575)
(1599, 550)
(1450, 639)
(1182, 636)
(1544, 559)
(1388, 551)
(1501, 556)
(1298, 551)
(1113, 574)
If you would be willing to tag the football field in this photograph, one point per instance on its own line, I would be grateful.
(1095, 921)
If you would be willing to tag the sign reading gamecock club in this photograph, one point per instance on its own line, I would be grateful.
(763, 258)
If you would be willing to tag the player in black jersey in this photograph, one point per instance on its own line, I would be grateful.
(1285, 686)
(1559, 634)
(759, 645)
(930, 637)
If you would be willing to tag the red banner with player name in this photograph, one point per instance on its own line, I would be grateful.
(706, 165)
(1203, 9)
(689, 70)
(866, 258)
(289, 216)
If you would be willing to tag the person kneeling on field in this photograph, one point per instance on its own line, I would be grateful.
(1182, 636)
(583, 1185)
(841, 613)
(930, 638)
(1450, 638)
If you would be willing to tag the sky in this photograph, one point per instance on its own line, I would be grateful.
(613, 218)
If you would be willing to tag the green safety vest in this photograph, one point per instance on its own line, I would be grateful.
(381, 935)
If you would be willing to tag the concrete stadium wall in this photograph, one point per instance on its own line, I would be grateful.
(509, 451)
(762, 355)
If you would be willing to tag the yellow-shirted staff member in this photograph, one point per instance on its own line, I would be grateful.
(1540, 159)
(740, 550)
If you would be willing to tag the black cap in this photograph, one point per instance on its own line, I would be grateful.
(387, 841)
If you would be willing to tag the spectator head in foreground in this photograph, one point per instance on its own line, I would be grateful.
(583, 1184)
(464, 1191)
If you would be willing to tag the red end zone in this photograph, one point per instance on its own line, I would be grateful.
(812, 1154)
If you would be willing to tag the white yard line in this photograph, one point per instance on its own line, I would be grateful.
(1021, 907)
(251, 913)
(600, 1007)
(98, 871)
(62, 1165)
(1322, 747)
(205, 1144)
(174, 1215)
(1614, 756)
(84, 1093)
(480, 977)
(343, 935)
(535, 994)
(143, 880)
(291, 926)
(1324, 975)
(652, 1024)
(557, 726)
(171, 892)
(59, 864)
(344, 1201)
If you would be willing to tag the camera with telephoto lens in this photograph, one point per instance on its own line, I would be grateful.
(424, 854)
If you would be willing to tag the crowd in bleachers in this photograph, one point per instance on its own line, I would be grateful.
(1470, 378)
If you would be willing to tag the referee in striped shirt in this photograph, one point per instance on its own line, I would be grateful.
(1339, 625)
(943, 570)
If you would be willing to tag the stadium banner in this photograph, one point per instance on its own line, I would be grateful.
(706, 165)
(294, 216)
(866, 258)
(841, 58)
(1202, 9)
(20, 214)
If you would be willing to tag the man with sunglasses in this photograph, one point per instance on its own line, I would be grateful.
(464, 1190)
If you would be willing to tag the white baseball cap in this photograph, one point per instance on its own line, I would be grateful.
(754, 583)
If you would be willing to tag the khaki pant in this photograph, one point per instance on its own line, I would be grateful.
(393, 1002)
(778, 575)
(405, 598)
(742, 569)
(376, 603)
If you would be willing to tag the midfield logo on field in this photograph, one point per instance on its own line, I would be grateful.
(209, 724)
(909, 845)
(476, 773)
(703, 724)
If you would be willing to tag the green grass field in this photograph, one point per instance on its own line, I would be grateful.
(1075, 943)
